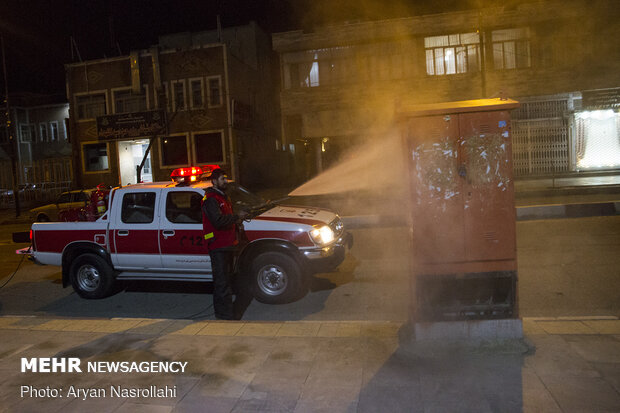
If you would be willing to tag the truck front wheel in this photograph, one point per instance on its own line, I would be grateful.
(91, 276)
(276, 278)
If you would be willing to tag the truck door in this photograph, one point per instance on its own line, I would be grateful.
(135, 232)
(181, 238)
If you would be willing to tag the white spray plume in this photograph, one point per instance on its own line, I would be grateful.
(377, 164)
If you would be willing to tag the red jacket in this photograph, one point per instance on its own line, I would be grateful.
(218, 223)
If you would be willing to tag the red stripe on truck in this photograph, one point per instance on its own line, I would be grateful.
(57, 240)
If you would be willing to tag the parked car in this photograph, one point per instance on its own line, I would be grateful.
(70, 206)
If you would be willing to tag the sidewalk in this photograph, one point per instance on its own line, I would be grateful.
(563, 365)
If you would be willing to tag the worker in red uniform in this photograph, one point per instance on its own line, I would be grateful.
(220, 234)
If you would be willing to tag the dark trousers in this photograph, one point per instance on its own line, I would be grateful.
(222, 267)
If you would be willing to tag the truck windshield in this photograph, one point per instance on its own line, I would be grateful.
(242, 198)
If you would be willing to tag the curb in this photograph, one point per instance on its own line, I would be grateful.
(525, 213)
(567, 211)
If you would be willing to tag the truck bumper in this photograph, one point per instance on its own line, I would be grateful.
(28, 253)
(328, 258)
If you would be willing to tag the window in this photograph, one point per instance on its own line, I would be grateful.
(511, 48)
(184, 207)
(209, 147)
(43, 132)
(138, 208)
(162, 95)
(90, 106)
(197, 93)
(215, 91)
(178, 95)
(95, 157)
(24, 131)
(174, 151)
(54, 131)
(64, 129)
(125, 101)
(450, 54)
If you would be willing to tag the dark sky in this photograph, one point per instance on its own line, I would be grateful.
(37, 33)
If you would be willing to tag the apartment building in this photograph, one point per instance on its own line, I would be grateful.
(43, 149)
(210, 93)
(344, 83)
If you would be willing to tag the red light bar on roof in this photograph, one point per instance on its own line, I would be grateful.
(207, 169)
(186, 175)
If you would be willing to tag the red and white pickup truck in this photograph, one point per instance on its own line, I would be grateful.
(153, 231)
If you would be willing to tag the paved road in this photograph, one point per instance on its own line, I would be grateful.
(566, 267)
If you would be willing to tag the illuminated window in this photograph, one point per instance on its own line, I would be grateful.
(511, 48)
(450, 54)
(597, 140)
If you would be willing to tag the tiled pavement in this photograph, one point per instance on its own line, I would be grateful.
(563, 364)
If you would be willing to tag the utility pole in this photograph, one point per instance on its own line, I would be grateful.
(9, 130)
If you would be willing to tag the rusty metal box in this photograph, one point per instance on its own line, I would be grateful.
(462, 214)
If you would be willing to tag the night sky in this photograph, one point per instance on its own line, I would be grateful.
(37, 33)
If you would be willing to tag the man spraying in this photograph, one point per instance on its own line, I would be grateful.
(220, 234)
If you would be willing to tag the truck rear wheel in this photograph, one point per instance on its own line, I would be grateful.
(276, 278)
(91, 276)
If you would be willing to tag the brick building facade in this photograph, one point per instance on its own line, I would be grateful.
(344, 83)
(216, 92)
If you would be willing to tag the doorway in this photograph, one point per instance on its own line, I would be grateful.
(130, 154)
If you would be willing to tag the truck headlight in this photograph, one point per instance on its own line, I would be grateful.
(323, 235)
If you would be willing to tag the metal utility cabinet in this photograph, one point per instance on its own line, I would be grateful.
(462, 213)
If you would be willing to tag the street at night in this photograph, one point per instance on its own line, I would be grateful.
(304, 206)
(567, 267)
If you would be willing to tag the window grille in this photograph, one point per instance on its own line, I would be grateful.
(540, 140)
(450, 54)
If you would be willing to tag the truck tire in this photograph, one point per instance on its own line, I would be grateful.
(276, 278)
(91, 276)
(43, 218)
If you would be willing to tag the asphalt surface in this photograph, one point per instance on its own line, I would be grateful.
(346, 346)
